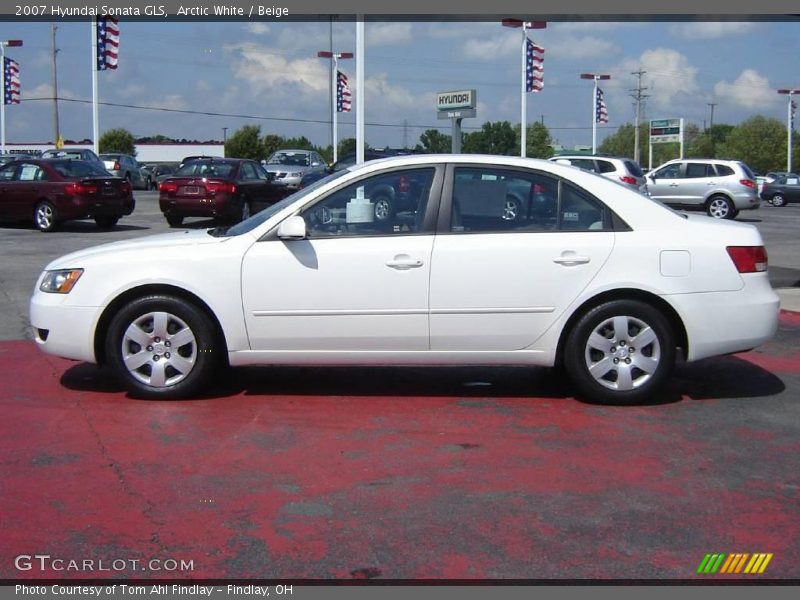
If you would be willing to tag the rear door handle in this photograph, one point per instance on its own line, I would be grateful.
(403, 262)
(569, 260)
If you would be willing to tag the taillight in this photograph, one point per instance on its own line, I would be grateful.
(80, 189)
(748, 259)
(116, 166)
(168, 186)
(628, 179)
(749, 183)
(220, 187)
(126, 186)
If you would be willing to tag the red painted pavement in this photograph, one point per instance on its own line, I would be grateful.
(401, 473)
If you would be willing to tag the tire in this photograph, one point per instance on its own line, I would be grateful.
(153, 185)
(511, 209)
(593, 345)
(106, 222)
(384, 209)
(720, 207)
(778, 200)
(174, 221)
(45, 217)
(163, 347)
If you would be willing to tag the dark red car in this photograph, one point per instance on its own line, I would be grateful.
(228, 189)
(50, 191)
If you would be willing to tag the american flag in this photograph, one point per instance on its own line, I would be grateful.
(107, 43)
(534, 67)
(343, 102)
(600, 110)
(11, 81)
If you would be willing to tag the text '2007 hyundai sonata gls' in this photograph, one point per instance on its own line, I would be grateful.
(584, 273)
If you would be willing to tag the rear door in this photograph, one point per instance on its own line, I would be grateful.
(9, 203)
(699, 180)
(498, 283)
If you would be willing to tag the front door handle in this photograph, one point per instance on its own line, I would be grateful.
(673, 185)
(571, 259)
(403, 262)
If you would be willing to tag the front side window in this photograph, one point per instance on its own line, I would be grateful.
(391, 203)
(491, 200)
(669, 172)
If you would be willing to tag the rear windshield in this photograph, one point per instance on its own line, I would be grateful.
(747, 171)
(206, 168)
(296, 159)
(634, 168)
(72, 169)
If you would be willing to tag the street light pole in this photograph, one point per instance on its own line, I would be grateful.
(3, 46)
(789, 93)
(334, 56)
(595, 77)
(524, 25)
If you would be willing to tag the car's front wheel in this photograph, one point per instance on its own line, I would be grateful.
(778, 200)
(720, 207)
(162, 347)
(620, 352)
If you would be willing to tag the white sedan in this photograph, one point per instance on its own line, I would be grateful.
(469, 260)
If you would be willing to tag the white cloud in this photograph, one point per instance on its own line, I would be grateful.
(587, 26)
(391, 97)
(171, 101)
(708, 30)
(264, 70)
(574, 48)
(670, 76)
(257, 28)
(750, 90)
(491, 47)
(384, 34)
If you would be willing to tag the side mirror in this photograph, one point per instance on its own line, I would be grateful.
(315, 164)
(293, 228)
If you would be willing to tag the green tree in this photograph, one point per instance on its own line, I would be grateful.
(298, 143)
(346, 146)
(435, 142)
(496, 137)
(245, 143)
(121, 141)
(760, 142)
(538, 142)
(272, 142)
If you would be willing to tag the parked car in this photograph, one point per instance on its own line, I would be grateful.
(127, 167)
(720, 187)
(289, 166)
(348, 160)
(223, 188)
(599, 279)
(160, 173)
(782, 190)
(51, 191)
(73, 153)
(622, 170)
(186, 159)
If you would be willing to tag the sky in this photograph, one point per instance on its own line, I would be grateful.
(269, 73)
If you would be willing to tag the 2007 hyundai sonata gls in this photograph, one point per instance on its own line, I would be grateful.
(494, 260)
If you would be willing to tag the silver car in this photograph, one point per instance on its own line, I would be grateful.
(622, 170)
(127, 167)
(288, 166)
(721, 188)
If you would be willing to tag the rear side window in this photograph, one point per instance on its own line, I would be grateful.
(724, 170)
(606, 166)
(697, 170)
(583, 163)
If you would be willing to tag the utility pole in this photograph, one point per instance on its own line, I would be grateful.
(711, 121)
(639, 96)
(56, 130)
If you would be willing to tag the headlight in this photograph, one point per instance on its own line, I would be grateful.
(60, 282)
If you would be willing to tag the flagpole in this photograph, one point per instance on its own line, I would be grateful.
(3, 100)
(95, 94)
(594, 118)
(360, 86)
(334, 95)
(523, 140)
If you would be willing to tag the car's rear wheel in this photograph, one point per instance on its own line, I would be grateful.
(106, 222)
(162, 347)
(45, 217)
(620, 352)
(778, 200)
(511, 209)
(384, 209)
(720, 207)
(174, 221)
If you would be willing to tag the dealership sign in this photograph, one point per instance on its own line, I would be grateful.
(665, 130)
(456, 105)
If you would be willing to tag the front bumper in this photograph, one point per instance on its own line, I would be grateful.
(63, 330)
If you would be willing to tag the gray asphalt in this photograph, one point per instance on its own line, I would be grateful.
(25, 251)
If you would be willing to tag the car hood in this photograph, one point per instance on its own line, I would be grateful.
(165, 241)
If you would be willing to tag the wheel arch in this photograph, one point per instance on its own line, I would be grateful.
(101, 331)
(674, 320)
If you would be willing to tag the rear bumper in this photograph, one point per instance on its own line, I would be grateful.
(217, 206)
(82, 208)
(726, 322)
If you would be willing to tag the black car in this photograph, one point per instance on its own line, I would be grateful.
(782, 190)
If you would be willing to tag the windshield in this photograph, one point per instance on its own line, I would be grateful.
(263, 216)
(297, 159)
(204, 168)
(72, 169)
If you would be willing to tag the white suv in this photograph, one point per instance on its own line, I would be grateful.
(720, 187)
(622, 170)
